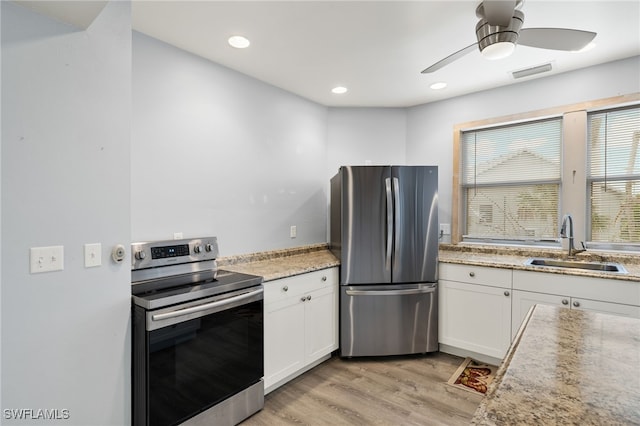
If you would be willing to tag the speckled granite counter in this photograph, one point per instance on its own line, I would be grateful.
(514, 257)
(276, 264)
(287, 262)
(567, 367)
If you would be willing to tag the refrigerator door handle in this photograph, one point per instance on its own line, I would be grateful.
(396, 211)
(421, 290)
(387, 185)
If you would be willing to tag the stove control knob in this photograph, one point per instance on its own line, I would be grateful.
(140, 255)
(209, 247)
(197, 248)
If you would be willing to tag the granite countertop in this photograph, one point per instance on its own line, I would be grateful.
(514, 258)
(276, 264)
(567, 367)
(283, 263)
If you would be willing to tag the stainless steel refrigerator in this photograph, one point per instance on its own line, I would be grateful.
(384, 230)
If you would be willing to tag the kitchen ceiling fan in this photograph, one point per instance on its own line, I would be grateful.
(499, 30)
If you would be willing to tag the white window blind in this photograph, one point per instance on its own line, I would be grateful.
(511, 181)
(614, 176)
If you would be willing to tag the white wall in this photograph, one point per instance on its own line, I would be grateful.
(215, 152)
(210, 151)
(66, 112)
(430, 126)
(357, 136)
(0, 221)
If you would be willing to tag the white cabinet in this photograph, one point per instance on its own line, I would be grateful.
(475, 309)
(481, 308)
(603, 295)
(524, 300)
(300, 324)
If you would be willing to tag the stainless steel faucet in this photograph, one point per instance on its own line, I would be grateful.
(568, 220)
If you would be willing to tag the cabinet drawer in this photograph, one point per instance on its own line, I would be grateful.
(296, 285)
(603, 289)
(483, 275)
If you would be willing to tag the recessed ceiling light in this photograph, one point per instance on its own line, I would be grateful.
(339, 90)
(239, 42)
(439, 85)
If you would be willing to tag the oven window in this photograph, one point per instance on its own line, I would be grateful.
(195, 364)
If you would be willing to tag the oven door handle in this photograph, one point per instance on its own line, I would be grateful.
(206, 306)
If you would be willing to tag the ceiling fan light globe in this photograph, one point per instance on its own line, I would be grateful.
(498, 50)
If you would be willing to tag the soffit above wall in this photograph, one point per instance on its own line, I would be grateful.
(77, 13)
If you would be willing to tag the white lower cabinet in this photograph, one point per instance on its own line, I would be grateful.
(475, 309)
(481, 308)
(602, 295)
(524, 300)
(300, 324)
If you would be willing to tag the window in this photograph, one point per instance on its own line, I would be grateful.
(510, 181)
(515, 176)
(614, 176)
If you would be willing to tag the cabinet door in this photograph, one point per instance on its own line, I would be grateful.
(524, 300)
(475, 317)
(606, 307)
(320, 323)
(284, 335)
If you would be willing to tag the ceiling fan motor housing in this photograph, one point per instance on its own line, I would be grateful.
(488, 34)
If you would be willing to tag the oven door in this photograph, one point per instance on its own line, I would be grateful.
(190, 357)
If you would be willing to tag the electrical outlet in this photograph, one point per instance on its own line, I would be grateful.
(445, 228)
(92, 255)
(293, 232)
(177, 236)
(45, 259)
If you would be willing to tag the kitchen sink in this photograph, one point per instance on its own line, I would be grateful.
(609, 267)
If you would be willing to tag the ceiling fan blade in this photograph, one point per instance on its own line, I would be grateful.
(499, 12)
(446, 61)
(555, 38)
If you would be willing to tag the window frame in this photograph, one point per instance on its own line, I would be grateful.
(573, 196)
(614, 246)
(544, 241)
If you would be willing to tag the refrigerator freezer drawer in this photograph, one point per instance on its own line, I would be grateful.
(388, 319)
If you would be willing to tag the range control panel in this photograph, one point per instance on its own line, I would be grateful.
(172, 252)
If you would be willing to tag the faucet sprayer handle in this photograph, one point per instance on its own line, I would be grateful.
(563, 227)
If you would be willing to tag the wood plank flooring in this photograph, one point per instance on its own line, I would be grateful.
(408, 390)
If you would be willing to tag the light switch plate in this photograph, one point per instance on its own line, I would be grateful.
(293, 231)
(92, 255)
(46, 259)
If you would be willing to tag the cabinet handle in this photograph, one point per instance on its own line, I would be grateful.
(308, 297)
(324, 278)
(506, 293)
(302, 299)
(565, 302)
(285, 288)
(472, 274)
(576, 303)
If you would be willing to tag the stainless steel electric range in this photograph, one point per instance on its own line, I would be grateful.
(197, 336)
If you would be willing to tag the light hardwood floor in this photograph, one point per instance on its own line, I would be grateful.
(408, 390)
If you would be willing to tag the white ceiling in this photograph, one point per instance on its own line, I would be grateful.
(377, 48)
